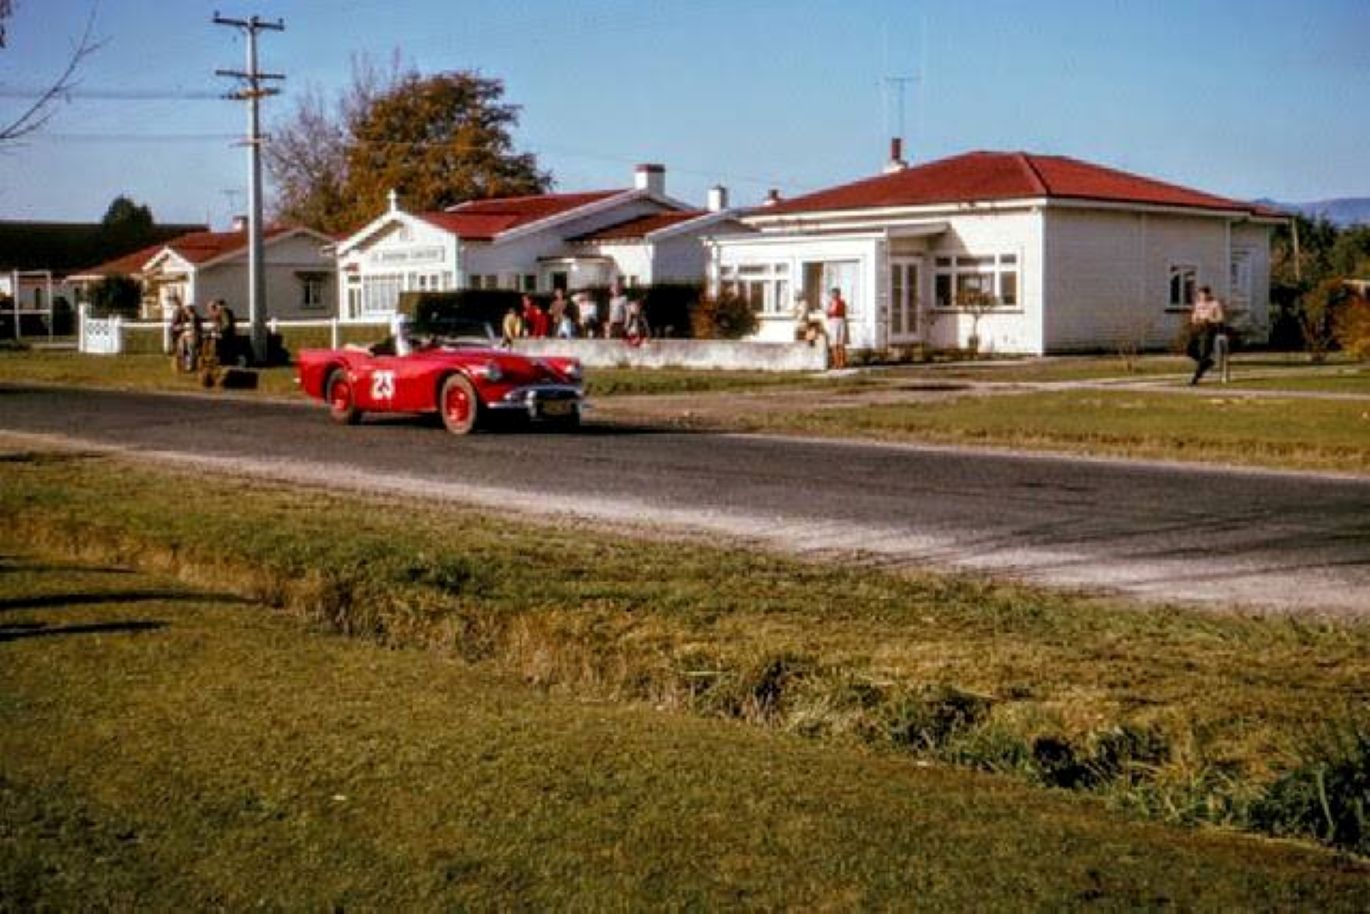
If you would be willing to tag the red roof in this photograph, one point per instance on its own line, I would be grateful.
(640, 226)
(976, 176)
(200, 247)
(482, 220)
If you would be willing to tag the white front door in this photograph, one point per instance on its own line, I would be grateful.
(906, 275)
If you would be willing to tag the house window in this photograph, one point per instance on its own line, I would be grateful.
(311, 290)
(764, 286)
(381, 293)
(530, 282)
(1239, 283)
(1184, 279)
(959, 278)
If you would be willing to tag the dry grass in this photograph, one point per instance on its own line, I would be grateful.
(1180, 715)
(168, 749)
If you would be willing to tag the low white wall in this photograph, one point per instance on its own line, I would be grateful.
(737, 355)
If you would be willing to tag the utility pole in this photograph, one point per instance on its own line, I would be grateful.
(252, 90)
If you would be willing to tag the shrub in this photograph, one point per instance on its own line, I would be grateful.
(116, 295)
(1328, 796)
(1351, 326)
(1317, 313)
(725, 317)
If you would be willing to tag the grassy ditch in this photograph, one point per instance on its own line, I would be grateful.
(1181, 716)
(163, 748)
(1253, 431)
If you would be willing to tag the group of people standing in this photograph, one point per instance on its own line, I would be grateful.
(196, 341)
(577, 317)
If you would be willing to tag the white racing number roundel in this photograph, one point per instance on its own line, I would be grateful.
(383, 385)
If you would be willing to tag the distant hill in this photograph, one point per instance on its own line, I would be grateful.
(1342, 211)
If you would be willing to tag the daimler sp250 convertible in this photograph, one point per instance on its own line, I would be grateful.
(457, 373)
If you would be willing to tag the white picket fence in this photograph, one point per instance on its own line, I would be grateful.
(108, 335)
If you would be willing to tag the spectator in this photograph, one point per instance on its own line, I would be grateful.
(223, 330)
(185, 329)
(837, 328)
(512, 328)
(588, 311)
(534, 319)
(556, 310)
(636, 328)
(618, 311)
(565, 326)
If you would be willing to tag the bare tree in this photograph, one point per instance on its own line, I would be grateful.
(41, 110)
(307, 152)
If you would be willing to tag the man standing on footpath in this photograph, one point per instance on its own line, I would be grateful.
(1205, 323)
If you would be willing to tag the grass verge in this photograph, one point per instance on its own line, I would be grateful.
(1256, 431)
(1182, 716)
(147, 371)
(165, 749)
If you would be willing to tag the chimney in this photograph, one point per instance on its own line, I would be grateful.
(240, 223)
(896, 162)
(650, 177)
(718, 198)
(393, 199)
(772, 197)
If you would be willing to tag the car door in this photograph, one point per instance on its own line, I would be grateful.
(378, 384)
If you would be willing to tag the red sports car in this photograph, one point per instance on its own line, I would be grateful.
(460, 376)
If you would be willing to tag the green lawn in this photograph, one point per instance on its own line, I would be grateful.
(606, 382)
(1182, 716)
(1210, 426)
(147, 371)
(1348, 380)
(165, 749)
(1045, 370)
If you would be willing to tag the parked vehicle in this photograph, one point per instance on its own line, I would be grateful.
(457, 372)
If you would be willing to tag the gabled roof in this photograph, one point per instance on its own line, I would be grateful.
(640, 226)
(202, 247)
(986, 176)
(482, 220)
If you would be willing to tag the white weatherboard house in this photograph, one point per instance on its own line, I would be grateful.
(202, 266)
(533, 243)
(1028, 253)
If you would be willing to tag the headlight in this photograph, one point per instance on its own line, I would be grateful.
(573, 371)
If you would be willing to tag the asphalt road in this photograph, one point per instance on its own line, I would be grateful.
(1269, 540)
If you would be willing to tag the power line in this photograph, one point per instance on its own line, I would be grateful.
(135, 95)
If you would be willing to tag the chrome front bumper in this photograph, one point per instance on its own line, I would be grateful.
(543, 401)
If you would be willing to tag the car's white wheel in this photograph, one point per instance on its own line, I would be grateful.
(458, 405)
(342, 400)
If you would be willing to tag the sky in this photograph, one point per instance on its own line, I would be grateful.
(1252, 99)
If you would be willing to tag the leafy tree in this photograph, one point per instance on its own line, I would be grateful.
(124, 216)
(1350, 253)
(438, 140)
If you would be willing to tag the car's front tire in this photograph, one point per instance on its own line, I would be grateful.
(458, 405)
(341, 398)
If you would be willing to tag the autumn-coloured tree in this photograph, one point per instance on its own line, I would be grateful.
(437, 140)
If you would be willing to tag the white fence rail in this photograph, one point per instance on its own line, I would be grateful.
(109, 335)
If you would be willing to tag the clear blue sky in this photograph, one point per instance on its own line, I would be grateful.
(1252, 99)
